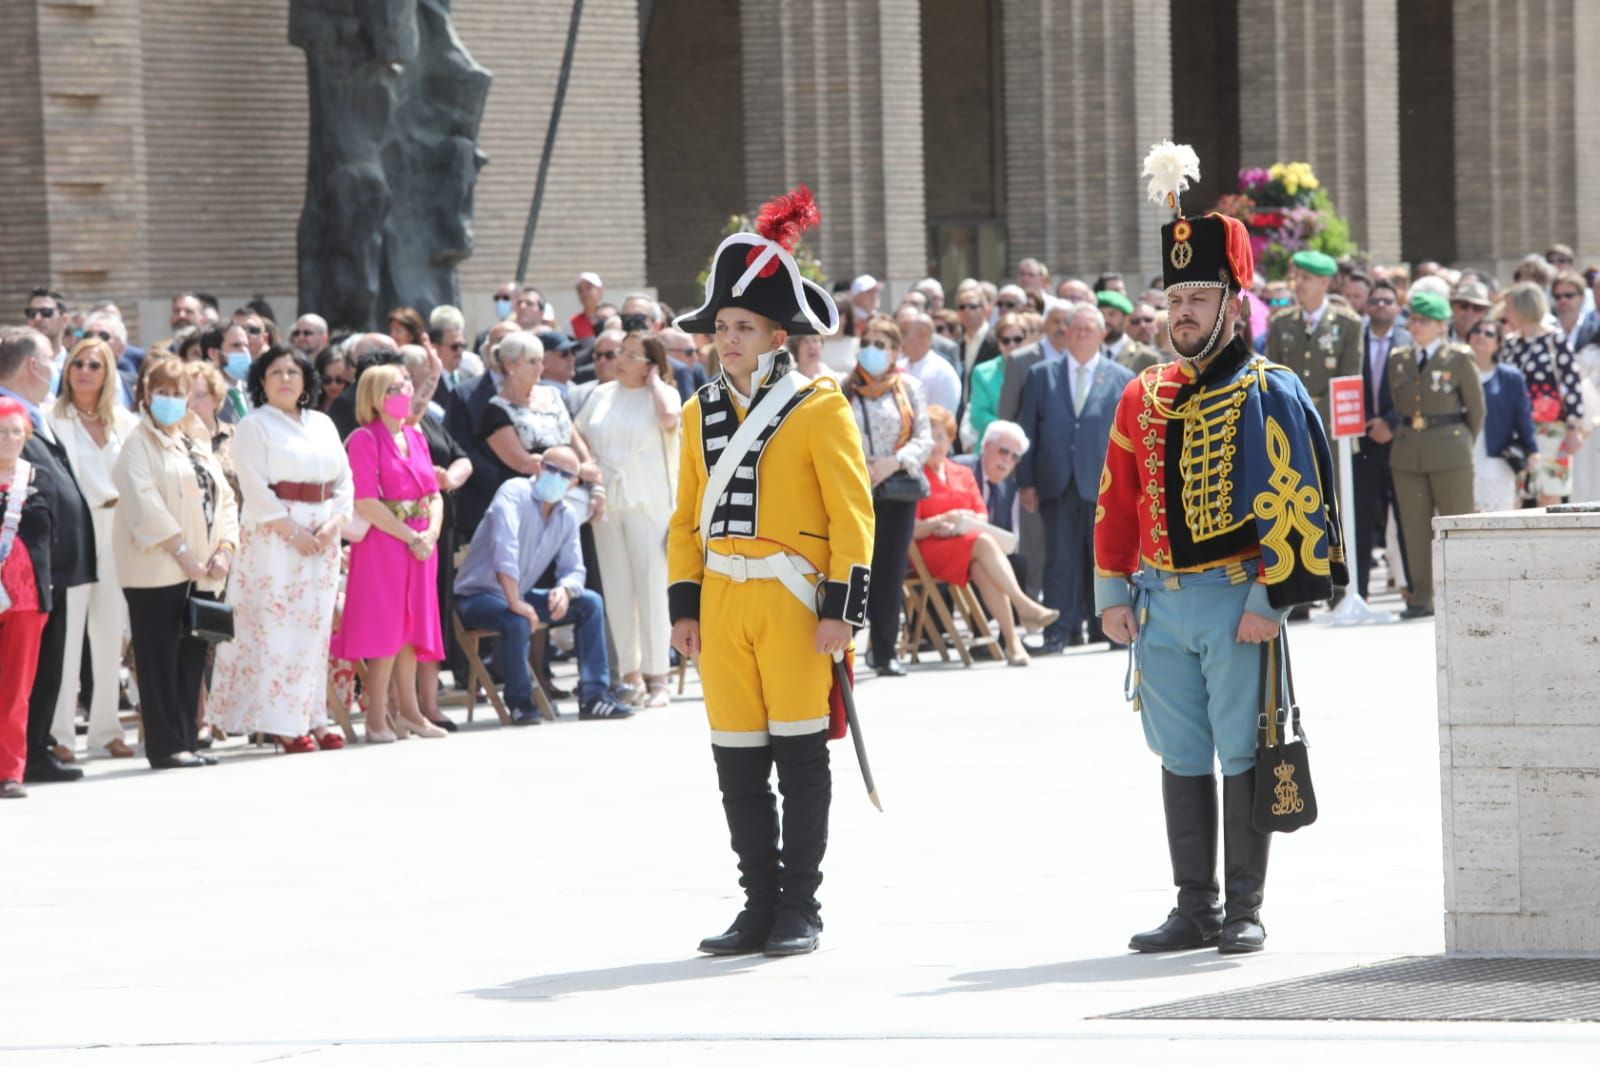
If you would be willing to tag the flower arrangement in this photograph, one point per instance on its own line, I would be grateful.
(1286, 210)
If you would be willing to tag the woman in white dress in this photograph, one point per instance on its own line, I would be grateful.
(295, 477)
(92, 428)
(631, 425)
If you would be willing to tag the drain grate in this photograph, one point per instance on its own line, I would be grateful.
(1423, 989)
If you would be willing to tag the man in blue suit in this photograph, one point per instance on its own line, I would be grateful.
(1372, 485)
(1068, 405)
(994, 466)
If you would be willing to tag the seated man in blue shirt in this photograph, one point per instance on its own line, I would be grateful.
(525, 528)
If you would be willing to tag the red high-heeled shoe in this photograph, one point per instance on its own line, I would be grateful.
(296, 745)
(330, 741)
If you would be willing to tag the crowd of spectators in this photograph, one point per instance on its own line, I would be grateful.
(351, 497)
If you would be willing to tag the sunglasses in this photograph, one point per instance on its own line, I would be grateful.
(1141, 321)
(343, 383)
(1568, 295)
(255, 331)
(1463, 305)
(1008, 305)
(458, 346)
(39, 312)
(397, 390)
(1011, 338)
(299, 332)
(80, 364)
(969, 307)
(1558, 260)
(942, 330)
(102, 334)
(1492, 334)
(1380, 301)
(609, 353)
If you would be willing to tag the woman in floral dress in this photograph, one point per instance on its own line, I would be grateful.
(296, 489)
(1554, 387)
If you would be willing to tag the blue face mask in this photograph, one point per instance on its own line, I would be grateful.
(238, 365)
(168, 410)
(502, 308)
(873, 360)
(549, 487)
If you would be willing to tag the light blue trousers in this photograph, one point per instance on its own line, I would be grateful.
(1200, 688)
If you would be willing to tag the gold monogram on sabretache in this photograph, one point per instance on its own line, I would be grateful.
(1288, 793)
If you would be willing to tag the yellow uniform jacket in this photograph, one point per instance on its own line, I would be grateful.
(804, 489)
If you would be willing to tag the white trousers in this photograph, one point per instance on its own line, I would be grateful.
(99, 610)
(633, 568)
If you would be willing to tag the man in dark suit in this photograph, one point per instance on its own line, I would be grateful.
(1069, 403)
(994, 466)
(461, 417)
(26, 357)
(1371, 480)
(687, 373)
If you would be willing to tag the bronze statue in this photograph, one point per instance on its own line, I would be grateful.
(396, 101)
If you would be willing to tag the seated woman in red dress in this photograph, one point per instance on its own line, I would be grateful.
(956, 548)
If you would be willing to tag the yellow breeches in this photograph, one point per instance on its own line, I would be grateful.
(758, 664)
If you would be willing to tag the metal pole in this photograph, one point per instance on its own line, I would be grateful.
(549, 140)
(1352, 609)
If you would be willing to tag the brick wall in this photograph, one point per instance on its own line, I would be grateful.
(24, 209)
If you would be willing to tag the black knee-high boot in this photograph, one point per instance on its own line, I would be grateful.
(744, 776)
(1191, 811)
(1244, 868)
(807, 787)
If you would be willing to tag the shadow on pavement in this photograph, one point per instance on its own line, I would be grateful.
(554, 986)
(1111, 968)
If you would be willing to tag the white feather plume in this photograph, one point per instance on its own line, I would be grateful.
(1170, 167)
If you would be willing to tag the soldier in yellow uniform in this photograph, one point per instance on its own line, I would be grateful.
(1438, 414)
(1316, 337)
(769, 554)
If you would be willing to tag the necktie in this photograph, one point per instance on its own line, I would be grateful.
(1081, 393)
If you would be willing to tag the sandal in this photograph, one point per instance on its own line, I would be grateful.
(658, 696)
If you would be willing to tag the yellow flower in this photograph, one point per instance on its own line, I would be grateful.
(1275, 171)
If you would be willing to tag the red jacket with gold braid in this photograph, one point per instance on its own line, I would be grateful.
(1184, 488)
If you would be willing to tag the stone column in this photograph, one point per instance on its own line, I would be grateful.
(1087, 90)
(1524, 100)
(833, 98)
(1306, 72)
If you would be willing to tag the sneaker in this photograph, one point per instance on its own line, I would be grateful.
(603, 707)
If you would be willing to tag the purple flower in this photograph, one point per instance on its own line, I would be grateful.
(1250, 177)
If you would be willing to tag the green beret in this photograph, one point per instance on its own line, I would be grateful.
(1113, 298)
(1429, 305)
(1315, 263)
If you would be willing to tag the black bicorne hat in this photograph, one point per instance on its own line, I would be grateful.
(756, 271)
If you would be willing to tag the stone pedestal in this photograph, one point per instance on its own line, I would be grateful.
(1519, 731)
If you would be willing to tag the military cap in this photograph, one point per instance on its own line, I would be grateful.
(1113, 298)
(1316, 263)
(1429, 305)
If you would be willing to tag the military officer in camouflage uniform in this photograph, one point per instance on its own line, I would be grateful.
(1316, 337)
(1119, 347)
(1438, 413)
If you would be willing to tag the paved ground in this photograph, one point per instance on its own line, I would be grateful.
(535, 895)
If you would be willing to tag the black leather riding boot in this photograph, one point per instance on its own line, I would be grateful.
(744, 776)
(807, 787)
(1244, 868)
(1191, 810)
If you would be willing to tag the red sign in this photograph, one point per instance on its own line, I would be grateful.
(1346, 399)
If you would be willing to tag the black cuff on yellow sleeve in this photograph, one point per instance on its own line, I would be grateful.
(847, 600)
(683, 600)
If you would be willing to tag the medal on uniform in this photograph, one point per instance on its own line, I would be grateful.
(1331, 362)
(1419, 422)
(1327, 341)
(1437, 379)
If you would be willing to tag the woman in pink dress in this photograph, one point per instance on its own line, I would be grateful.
(956, 549)
(391, 607)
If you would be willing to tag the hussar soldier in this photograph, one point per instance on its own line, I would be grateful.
(769, 554)
(1213, 521)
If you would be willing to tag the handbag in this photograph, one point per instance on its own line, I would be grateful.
(1285, 799)
(207, 620)
(900, 486)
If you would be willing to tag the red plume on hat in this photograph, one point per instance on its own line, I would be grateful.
(782, 220)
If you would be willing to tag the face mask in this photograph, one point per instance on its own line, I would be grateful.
(238, 365)
(397, 407)
(168, 410)
(873, 360)
(550, 487)
(502, 308)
